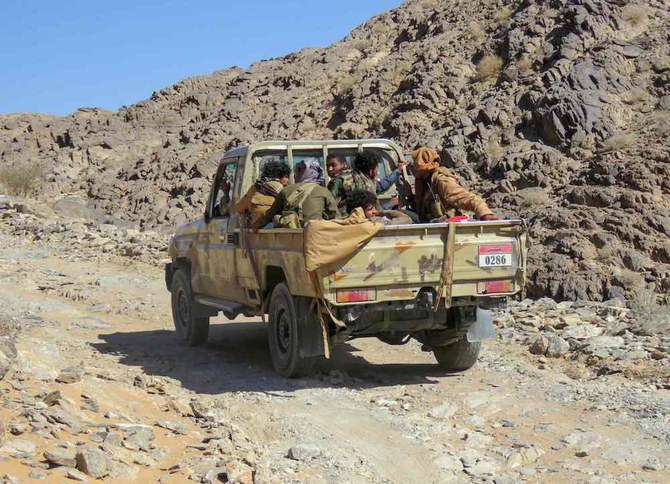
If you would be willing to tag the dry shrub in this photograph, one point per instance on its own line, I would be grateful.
(4, 430)
(606, 255)
(22, 179)
(525, 64)
(503, 15)
(631, 280)
(533, 197)
(380, 29)
(475, 32)
(660, 121)
(345, 83)
(360, 44)
(430, 3)
(489, 67)
(494, 149)
(618, 142)
(9, 328)
(635, 15)
(646, 372)
(651, 317)
(636, 97)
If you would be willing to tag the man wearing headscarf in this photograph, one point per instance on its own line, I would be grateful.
(438, 193)
(305, 200)
(261, 195)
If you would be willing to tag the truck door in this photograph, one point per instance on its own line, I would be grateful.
(217, 271)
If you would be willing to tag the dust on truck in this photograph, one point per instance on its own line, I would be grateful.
(432, 282)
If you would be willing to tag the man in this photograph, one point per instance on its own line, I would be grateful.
(305, 200)
(223, 206)
(334, 166)
(438, 193)
(369, 203)
(262, 194)
(363, 177)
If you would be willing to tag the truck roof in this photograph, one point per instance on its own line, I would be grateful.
(284, 144)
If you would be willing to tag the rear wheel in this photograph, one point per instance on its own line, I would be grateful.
(284, 334)
(191, 330)
(459, 356)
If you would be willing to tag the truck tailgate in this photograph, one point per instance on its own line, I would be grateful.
(488, 258)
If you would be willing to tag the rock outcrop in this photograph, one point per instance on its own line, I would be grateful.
(554, 111)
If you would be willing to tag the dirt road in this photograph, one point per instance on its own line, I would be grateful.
(152, 410)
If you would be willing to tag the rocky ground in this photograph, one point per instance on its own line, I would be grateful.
(93, 385)
(555, 111)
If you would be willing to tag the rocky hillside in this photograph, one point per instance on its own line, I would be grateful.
(558, 111)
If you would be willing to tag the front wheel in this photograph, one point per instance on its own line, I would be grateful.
(191, 330)
(284, 334)
(459, 356)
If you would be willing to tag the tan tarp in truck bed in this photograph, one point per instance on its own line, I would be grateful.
(327, 242)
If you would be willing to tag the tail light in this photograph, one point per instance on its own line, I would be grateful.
(495, 287)
(355, 295)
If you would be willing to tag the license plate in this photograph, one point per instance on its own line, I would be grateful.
(495, 255)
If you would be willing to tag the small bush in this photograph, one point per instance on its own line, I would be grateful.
(9, 328)
(636, 97)
(489, 67)
(525, 64)
(430, 3)
(503, 15)
(617, 142)
(631, 280)
(651, 317)
(635, 15)
(345, 83)
(493, 148)
(21, 180)
(533, 197)
(606, 255)
(475, 32)
(380, 29)
(360, 44)
(660, 121)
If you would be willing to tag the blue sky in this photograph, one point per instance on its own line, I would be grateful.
(56, 56)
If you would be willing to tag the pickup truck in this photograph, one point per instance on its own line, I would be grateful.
(431, 282)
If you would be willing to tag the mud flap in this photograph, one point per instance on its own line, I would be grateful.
(311, 340)
(483, 328)
(310, 333)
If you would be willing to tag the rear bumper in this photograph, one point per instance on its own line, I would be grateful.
(408, 316)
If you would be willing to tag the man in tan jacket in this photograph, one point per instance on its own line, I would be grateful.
(262, 194)
(438, 193)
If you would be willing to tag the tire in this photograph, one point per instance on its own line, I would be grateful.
(459, 356)
(191, 330)
(284, 334)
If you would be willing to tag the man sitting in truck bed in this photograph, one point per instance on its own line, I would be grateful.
(369, 203)
(262, 194)
(364, 176)
(305, 200)
(438, 193)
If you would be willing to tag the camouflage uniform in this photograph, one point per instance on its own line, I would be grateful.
(318, 205)
(349, 180)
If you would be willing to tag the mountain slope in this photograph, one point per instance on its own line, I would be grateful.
(556, 111)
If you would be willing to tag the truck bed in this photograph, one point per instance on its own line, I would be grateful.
(398, 263)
